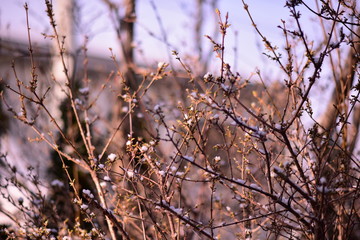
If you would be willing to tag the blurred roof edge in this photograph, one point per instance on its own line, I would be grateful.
(17, 50)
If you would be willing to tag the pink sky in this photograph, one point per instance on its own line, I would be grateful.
(176, 18)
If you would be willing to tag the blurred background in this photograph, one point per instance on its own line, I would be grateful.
(176, 18)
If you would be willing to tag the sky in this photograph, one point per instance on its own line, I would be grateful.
(177, 19)
(176, 16)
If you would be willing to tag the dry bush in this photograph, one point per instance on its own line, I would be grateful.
(212, 157)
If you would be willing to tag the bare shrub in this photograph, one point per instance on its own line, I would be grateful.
(217, 156)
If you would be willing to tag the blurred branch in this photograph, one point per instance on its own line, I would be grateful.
(343, 86)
